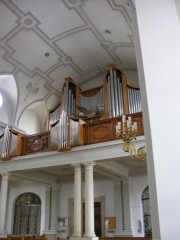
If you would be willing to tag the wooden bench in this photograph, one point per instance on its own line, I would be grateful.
(25, 237)
(125, 238)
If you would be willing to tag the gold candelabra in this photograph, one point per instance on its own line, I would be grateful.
(126, 130)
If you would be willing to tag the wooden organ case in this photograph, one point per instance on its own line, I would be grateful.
(81, 117)
(89, 116)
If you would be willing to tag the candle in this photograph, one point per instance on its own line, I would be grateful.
(135, 126)
(129, 118)
(117, 128)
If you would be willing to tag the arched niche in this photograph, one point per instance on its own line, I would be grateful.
(33, 118)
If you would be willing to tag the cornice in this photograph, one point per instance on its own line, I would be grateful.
(83, 154)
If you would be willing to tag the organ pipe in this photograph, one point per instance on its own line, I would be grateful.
(5, 143)
(116, 97)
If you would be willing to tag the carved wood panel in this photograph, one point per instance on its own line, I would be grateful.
(36, 143)
(105, 130)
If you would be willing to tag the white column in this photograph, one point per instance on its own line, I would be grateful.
(3, 203)
(77, 201)
(89, 200)
(157, 40)
(50, 229)
(126, 208)
(119, 211)
(53, 224)
(122, 208)
(47, 210)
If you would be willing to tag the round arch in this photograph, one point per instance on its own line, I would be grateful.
(27, 214)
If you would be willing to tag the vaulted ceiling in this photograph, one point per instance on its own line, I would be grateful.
(44, 41)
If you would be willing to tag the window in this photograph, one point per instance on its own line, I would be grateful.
(147, 212)
(27, 216)
(1, 100)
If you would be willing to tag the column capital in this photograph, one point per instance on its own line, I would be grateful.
(89, 164)
(55, 186)
(76, 165)
(5, 174)
(117, 180)
(125, 180)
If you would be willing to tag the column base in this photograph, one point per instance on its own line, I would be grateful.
(3, 233)
(123, 233)
(84, 238)
(50, 234)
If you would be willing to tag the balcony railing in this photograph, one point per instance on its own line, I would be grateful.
(14, 143)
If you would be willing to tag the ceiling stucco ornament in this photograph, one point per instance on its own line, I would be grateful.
(28, 21)
(73, 1)
(31, 90)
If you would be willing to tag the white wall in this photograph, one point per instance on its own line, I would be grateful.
(132, 75)
(106, 189)
(29, 122)
(65, 191)
(101, 188)
(136, 187)
(92, 83)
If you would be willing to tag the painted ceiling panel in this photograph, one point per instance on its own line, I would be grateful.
(29, 55)
(7, 20)
(79, 48)
(51, 24)
(127, 55)
(5, 66)
(60, 73)
(111, 20)
(72, 35)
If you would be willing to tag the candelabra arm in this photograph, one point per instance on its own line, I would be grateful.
(139, 155)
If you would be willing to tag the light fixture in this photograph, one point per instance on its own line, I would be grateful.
(107, 31)
(46, 54)
(126, 130)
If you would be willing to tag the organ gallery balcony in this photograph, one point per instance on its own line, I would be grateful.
(82, 117)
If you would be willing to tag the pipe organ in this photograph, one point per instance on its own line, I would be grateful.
(92, 99)
(59, 122)
(116, 96)
(114, 93)
(123, 97)
(10, 142)
(4, 141)
(54, 126)
(134, 100)
(82, 117)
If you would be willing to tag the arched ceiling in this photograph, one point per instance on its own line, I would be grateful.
(44, 41)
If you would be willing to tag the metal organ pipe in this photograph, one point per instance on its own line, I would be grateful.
(114, 91)
(92, 100)
(116, 94)
(5, 143)
(68, 108)
(121, 106)
(134, 100)
(109, 99)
